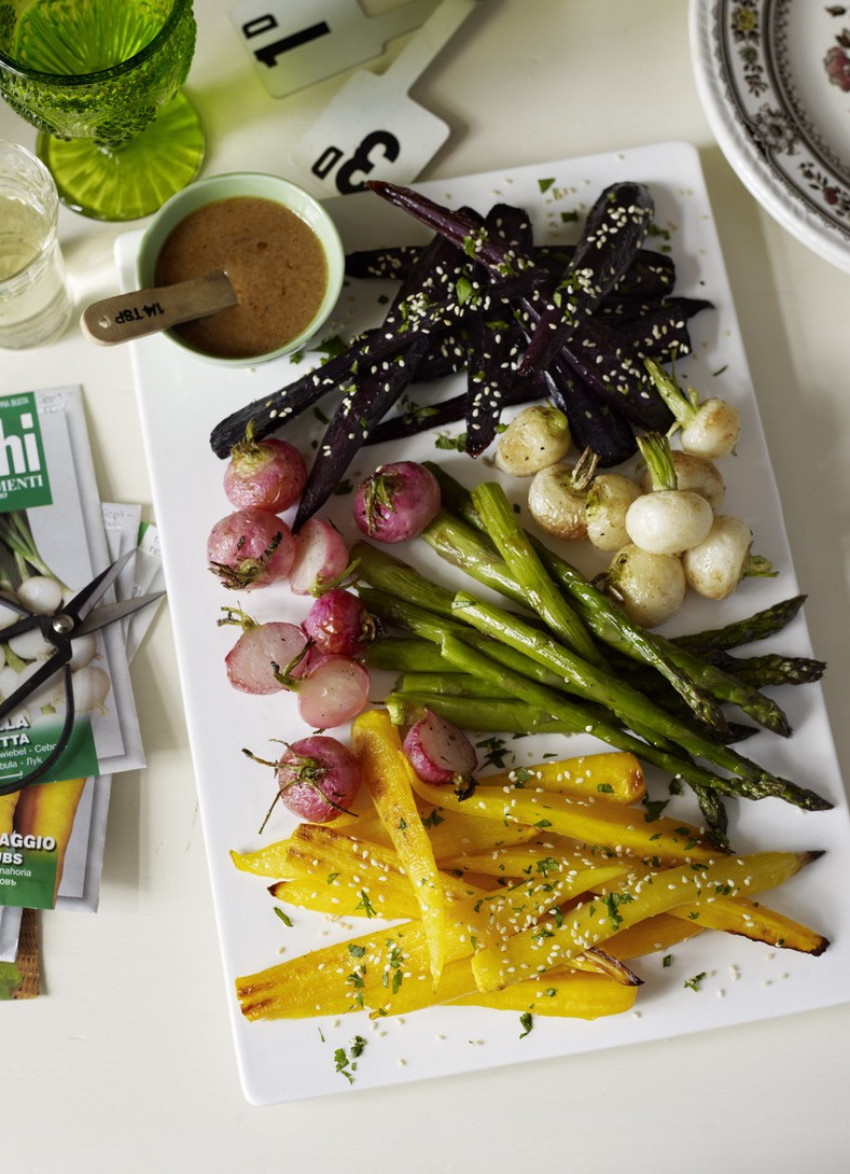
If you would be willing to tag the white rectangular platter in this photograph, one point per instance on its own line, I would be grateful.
(182, 398)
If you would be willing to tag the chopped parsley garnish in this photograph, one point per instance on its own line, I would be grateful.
(613, 902)
(345, 1062)
(366, 905)
(453, 443)
(463, 290)
(654, 808)
(393, 976)
(496, 751)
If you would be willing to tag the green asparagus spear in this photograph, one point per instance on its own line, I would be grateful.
(541, 593)
(770, 669)
(654, 724)
(453, 684)
(403, 654)
(500, 715)
(538, 684)
(472, 660)
(758, 626)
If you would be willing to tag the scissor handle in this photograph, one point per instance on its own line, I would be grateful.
(26, 623)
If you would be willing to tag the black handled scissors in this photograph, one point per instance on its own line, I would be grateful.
(79, 616)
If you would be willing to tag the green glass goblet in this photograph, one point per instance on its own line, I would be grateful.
(101, 80)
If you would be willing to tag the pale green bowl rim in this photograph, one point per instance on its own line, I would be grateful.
(247, 183)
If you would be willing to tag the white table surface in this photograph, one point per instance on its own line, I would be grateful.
(125, 1062)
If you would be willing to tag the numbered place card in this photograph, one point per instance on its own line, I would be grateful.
(373, 129)
(294, 43)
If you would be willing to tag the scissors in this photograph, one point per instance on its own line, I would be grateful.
(82, 614)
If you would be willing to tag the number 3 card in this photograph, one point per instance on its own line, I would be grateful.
(373, 129)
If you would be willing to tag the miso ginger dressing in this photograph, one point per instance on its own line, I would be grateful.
(274, 261)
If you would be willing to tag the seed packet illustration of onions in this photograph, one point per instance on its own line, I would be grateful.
(52, 543)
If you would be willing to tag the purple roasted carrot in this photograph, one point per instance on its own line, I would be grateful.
(615, 230)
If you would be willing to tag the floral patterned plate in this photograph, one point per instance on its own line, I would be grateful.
(774, 78)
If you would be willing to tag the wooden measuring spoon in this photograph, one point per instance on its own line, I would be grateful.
(148, 311)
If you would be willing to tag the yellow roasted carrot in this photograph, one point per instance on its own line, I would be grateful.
(271, 861)
(339, 897)
(567, 995)
(553, 942)
(346, 976)
(737, 915)
(748, 919)
(651, 936)
(414, 990)
(615, 775)
(337, 874)
(387, 774)
(588, 821)
(512, 909)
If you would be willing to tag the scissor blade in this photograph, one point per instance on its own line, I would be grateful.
(85, 599)
(110, 613)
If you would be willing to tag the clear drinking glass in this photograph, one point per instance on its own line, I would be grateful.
(34, 304)
(101, 80)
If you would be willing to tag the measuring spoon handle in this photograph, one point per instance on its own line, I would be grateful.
(148, 311)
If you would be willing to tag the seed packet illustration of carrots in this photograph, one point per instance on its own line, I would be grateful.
(8, 803)
(49, 810)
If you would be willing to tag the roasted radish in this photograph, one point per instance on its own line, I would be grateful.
(266, 658)
(320, 560)
(250, 548)
(332, 691)
(396, 502)
(339, 623)
(439, 752)
(317, 778)
(268, 474)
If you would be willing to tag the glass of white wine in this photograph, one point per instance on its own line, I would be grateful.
(34, 303)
